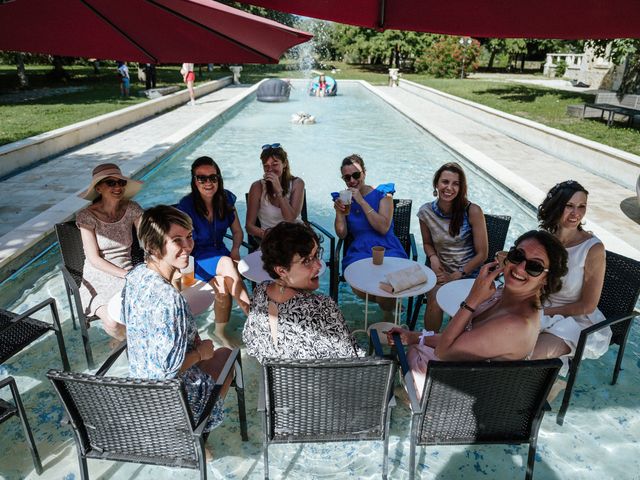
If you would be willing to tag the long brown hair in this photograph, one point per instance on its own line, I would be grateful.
(221, 207)
(286, 177)
(460, 203)
(552, 207)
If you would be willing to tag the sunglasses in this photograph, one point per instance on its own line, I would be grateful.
(355, 175)
(533, 268)
(112, 183)
(213, 178)
(267, 146)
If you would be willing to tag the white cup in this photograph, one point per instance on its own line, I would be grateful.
(345, 198)
(188, 273)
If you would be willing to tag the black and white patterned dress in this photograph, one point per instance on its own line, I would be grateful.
(309, 326)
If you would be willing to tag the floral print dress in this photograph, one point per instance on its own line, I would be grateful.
(160, 332)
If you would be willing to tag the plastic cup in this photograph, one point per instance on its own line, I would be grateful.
(345, 198)
(378, 255)
(188, 273)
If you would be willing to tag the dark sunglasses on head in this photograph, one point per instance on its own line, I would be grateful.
(533, 268)
(267, 146)
(213, 178)
(112, 183)
(355, 175)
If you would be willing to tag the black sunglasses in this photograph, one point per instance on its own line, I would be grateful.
(267, 146)
(355, 175)
(213, 178)
(533, 268)
(112, 183)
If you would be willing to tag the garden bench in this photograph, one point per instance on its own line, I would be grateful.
(608, 102)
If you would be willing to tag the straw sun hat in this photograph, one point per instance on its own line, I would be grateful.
(110, 170)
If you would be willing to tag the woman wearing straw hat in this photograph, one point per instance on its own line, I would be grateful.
(106, 229)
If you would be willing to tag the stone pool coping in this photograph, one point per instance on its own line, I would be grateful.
(28, 240)
(29, 151)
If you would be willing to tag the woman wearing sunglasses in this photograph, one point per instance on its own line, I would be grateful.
(369, 220)
(212, 211)
(288, 320)
(575, 306)
(454, 235)
(495, 324)
(106, 227)
(277, 197)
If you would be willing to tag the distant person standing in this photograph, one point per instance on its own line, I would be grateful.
(189, 77)
(123, 72)
(150, 75)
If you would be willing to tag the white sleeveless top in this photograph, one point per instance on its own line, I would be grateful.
(569, 328)
(269, 214)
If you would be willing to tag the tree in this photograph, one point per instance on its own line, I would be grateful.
(22, 73)
(447, 55)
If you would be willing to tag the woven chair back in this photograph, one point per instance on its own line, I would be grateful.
(497, 229)
(145, 421)
(484, 402)
(620, 292)
(327, 400)
(71, 249)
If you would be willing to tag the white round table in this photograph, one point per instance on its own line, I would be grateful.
(363, 275)
(250, 267)
(451, 294)
(199, 296)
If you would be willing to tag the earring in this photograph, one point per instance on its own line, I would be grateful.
(435, 192)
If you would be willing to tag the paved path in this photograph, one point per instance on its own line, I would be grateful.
(33, 201)
(527, 171)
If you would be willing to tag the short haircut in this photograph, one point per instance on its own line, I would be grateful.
(283, 242)
(558, 258)
(155, 225)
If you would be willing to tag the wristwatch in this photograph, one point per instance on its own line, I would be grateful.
(464, 305)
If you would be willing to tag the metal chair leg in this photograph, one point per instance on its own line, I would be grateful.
(242, 414)
(25, 425)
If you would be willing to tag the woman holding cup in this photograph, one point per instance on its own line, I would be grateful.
(212, 212)
(277, 197)
(368, 217)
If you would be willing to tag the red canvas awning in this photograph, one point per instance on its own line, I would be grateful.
(162, 31)
(566, 19)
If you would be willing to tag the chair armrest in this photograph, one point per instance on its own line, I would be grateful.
(40, 306)
(375, 340)
(7, 381)
(111, 359)
(605, 323)
(215, 393)
(329, 235)
(414, 248)
(406, 373)
(243, 244)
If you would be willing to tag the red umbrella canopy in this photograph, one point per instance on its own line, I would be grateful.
(162, 31)
(566, 19)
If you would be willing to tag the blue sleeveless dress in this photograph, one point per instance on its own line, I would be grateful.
(364, 236)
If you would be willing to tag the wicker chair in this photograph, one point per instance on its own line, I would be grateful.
(19, 330)
(401, 229)
(139, 421)
(497, 229)
(349, 401)
(254, 243)
(8, 410)
(617, 302)
(467, 403)
(73, 259)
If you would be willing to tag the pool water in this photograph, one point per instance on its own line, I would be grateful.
(602, 426)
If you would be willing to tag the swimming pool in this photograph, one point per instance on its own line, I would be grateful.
(602, 419)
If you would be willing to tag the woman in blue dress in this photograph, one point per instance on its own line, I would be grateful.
(162, 337)
(212, 212)
(370, 220)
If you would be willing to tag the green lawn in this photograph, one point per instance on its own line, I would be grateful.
(547, 106)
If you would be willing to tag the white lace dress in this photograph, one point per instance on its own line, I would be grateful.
(569, 328)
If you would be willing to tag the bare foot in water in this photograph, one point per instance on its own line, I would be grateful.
(208, 453)
(223, 338)
(556, 388)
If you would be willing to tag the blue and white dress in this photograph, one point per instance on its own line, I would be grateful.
(160, 332)
(365, 236)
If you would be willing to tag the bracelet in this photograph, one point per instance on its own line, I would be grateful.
(369, 211)
(464, 305)
(425, 334)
